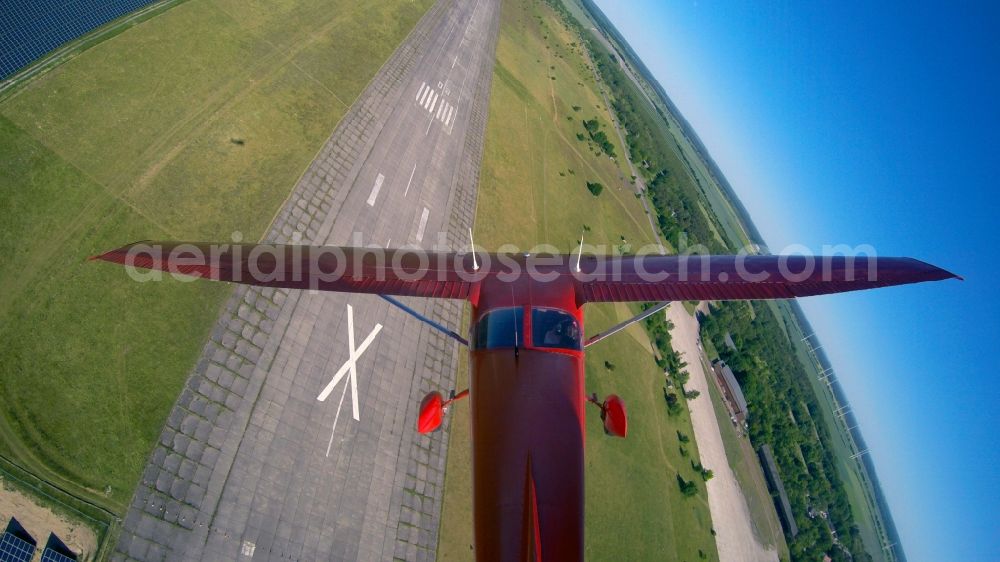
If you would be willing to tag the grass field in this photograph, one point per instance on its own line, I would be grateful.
(723, 214)
(635, 509)
(192, 124)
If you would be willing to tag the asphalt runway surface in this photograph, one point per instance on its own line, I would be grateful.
(251, 464)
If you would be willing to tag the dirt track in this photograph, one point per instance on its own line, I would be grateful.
(730, 514)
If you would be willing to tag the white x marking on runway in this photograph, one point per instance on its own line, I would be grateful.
(349, 366)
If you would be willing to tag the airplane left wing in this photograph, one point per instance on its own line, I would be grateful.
(378, 271)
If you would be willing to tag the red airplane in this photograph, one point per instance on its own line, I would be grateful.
(526, 347)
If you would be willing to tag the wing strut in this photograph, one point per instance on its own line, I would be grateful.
(443, 329)
(622, 325)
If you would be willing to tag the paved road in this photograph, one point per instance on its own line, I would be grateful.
(251, 465)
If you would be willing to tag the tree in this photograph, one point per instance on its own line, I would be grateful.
(688, 487)
(692, 394)
(595, 188)
(673, 405)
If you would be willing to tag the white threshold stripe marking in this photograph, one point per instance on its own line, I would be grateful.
(423, 224)
(408, 182)
(451, 113)
(425, 95)
(423, 86)
(441, 108)
(434, 103)
(430, 97)
(375, 190)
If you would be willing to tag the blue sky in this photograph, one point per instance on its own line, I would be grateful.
(870, 124)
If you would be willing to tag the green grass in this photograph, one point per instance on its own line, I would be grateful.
(635, 509)
(685, 156)
(132, 139)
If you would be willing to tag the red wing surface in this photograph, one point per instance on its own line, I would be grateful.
(675, 278)
(326, 268)
(452, 275)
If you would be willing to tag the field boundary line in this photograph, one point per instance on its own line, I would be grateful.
(10, 86)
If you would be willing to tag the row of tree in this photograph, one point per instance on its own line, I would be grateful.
(784, 412)
(600, 138)
(675, 196)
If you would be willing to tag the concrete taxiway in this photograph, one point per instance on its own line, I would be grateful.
(251, 463)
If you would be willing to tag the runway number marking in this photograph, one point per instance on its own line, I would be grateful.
(349, 366)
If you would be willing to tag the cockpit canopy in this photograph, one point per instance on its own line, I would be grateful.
(549, 328)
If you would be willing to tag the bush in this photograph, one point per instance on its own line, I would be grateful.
(595, 188)
(673, 405)
(688, 488)
(705, 473)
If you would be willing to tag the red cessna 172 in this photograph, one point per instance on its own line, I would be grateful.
(526, 347)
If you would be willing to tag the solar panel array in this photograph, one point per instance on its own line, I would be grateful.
(30, 29)
(15, 549)
(49, 555)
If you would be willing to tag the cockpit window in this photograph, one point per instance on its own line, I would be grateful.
(554, 328)
(503, 327)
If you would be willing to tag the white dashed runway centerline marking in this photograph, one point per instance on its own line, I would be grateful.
(423, 224)
(375, 190)
(407, 190)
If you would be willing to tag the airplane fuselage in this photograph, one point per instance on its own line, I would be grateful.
(527, 415)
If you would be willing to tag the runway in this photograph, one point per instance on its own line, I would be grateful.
(294, 437)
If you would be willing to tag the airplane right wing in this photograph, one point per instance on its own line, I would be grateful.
(742, 277)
